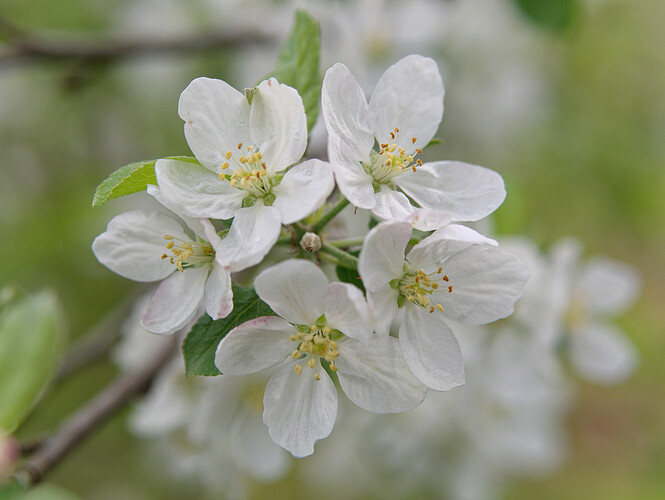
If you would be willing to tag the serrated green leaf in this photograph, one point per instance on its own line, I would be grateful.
(130, 179)
(31, 340)
(555, 15)
(201, 343)
(298, 63)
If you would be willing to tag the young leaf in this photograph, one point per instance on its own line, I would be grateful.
(130, 179)
(201, 343)
(298, 63)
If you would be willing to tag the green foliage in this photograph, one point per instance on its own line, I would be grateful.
(130, 179)
(46, 491)
(201, 343)
(349, 276)
(31, 339)
(555, 15)
(298, 63)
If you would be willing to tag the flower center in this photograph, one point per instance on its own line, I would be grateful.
(417, 288)
(250, 174)
(186, 254)
(314, 342)
(391, 161)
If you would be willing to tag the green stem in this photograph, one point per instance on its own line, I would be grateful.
(346, 259)
(330, 214)
(330, 258)
(349, 242)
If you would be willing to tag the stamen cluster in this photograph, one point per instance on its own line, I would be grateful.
(417, 288)
(188, 253)
(317, 344)
(393, 160)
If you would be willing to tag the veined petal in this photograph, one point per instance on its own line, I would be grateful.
(383, 306)
(392, 205)
(486, 284)
(298, 409)
(374, 375)
(303, 189)
(295, 289)
(278, 124)
(354, 183)
(347, 311)
(176, 301)
(218, 292)
(255, 345)
(133, 244)
(345, 111)
(408, 96)
(382, 256)
(216, 119)
(195, 191)
(425, 219)
(607, 286)
(465, 192)
(431, 350)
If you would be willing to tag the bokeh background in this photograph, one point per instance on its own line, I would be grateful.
(568, 104)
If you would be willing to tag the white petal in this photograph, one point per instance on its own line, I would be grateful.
(218, 293)
(303, 189)
(278, 124)
(134, 242)
(345, 111)
(298, 409)
(443, 243)
(375, 377)
(602, 354)
(353, 181)
(176, 301)
(486, 284)
(253, 233)
(216, 119)
(463, 191)
(431, 350)
(383, 305)
(294, 289)
(382, 256)
(408, 96)
(425, 219)
(392, 205)
(195, 191)
(607, 286)
(347, 311)
(204, 230)
(255, 345)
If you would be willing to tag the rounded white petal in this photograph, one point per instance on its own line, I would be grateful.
(347, 311)
(375, 377)
(195, 191)
(134, 242)
(463, 191)
(382, 256)
(278, 124)
(218, 293)
(431, 350)
(303, 189)
(345, 111)
(298, 409)
(354, 183)
(425, 219)
(392, 205)
(176, 301)
(607, 286)
(383, 306)
(602, 354)
(255, 345)
(295, 289)
(409, 96)
(486, 284)
(216, 119)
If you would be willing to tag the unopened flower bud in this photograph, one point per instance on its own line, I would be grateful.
(311, 242)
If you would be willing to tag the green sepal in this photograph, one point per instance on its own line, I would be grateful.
(249, 95)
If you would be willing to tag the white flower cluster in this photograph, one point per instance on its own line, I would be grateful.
(250, 174)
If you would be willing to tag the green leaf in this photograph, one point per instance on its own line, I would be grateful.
(555, 15)
(298, 63)
(201, 343)
(31, 340)
(130, 179)
(349, 276)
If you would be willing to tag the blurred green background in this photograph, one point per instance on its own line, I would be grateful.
(588, 160)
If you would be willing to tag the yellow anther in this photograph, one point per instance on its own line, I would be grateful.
(438, 271)
(240, 145)
(222, 176)
(435, 285)
(396, 130)
(439, 307)
(313, 328)
(293, 337)
(164, 256)
(413, 140)
(299, 336)
(298, 369)
(419, 151)
(225, 165)
(333, 367)
(228, 155)
(326, 330)
(311, 362)
(295, 354)
(445, 278)
(170, 245)
(431, 309)
(316, 377)
(392, 135)
(168, 237)
(450, 289)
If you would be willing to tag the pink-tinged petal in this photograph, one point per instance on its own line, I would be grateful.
(602, 354)
(392, 205)
(195, 191)
(278, 124)
(607, 286)
(383, 306)
(354, 183)
(374, 375)
(465, 192)
(486, 283)
(176, 301)
(253, 233)
(303, 189)
(347, 311)
(134, 242)
(443, 243)
(431, 350)
(295, 289)
(216, 119)
(218, 293)
(345, 111)
(409, 96)
(382, 256)
(298, 409)
(255, 345)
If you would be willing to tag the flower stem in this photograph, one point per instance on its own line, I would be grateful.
(330, 214)
(349, 242)
(345, 258)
